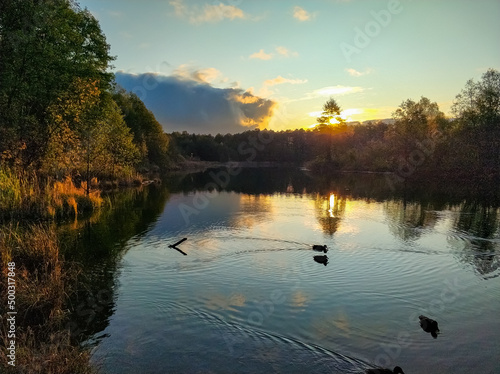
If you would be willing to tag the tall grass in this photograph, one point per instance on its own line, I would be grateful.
(23, 196)
(43, 284)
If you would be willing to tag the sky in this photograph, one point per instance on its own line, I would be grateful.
(221, 66)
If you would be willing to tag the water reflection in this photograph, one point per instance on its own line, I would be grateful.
(321, 259)
(98, 245)
(477, 235)
(409, 220)
(253, 209)
(249, 260)
(329, 211)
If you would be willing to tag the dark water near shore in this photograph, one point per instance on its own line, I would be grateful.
(249, 296)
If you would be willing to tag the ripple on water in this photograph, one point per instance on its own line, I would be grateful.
(248, 349)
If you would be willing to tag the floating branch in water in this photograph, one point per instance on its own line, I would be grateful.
(174, 246)
(397, 370)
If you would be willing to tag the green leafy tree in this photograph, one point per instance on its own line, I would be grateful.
(121, 150)
(71, 126)
(149, 136)
(44, 45)
(88, 135)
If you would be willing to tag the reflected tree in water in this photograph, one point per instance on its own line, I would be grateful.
(98, 244)
(478, 228)
(329, 211)
(407, 220)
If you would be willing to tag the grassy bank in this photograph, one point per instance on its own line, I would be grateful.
(43, 282)
(27, 196)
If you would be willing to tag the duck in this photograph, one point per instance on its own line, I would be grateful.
(321, 259)
(397, 370)
(429, 325)
(320, 248)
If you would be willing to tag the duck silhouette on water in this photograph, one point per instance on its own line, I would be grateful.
(320, 248)
(397, 370)
(429, 325)
(321, 259)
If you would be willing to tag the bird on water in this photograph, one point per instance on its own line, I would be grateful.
(429, 325)
(320, 248)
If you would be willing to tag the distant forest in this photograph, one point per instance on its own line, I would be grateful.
(419, 141)
(61, 115)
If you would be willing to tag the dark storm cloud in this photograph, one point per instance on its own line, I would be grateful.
(192, 105)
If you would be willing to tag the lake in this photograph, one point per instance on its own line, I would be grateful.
(245, 293)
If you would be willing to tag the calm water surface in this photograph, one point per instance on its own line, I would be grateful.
(249, 297)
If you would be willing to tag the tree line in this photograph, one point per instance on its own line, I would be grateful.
(418, 140)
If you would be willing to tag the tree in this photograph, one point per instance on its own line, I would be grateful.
(477, 123)
(71, 127)
(88, 135)
(477, 107)
(414, 123)
(330, 122)
(330, 115)
(120, 148)
(148, 134)
(417, 119)
(44, 45)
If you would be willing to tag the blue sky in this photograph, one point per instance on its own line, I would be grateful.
(274, 63)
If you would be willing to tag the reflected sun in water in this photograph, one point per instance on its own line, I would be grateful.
(332, 205)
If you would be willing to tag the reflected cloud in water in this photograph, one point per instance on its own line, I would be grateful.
(299, 299)
(222, 301)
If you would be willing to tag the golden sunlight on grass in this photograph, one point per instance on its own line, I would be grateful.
(27, 196)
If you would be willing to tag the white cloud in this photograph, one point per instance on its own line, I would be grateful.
(207, 75)
(280, 80)
(282, 51)
(209, 13)
(286, 52)
(301, 14)
(261, 55)
(179, 7)
(356, 73)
